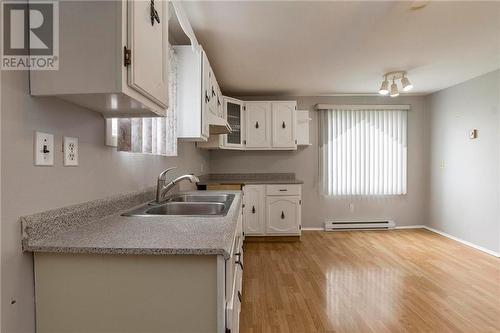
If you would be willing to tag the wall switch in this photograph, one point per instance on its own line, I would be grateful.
(351, 207)
(44, 149)
(70, 151)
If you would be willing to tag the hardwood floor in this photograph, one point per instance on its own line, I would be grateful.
(370, 281)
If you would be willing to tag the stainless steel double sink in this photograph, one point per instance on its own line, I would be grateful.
(192, 204)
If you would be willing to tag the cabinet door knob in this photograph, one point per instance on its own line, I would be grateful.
(283, 125)
(282, 215)
(253, 209)
(256, 124)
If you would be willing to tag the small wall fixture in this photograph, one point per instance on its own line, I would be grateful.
(395, 75)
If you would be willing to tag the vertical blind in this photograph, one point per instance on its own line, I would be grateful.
(157, 136)
(363, 151)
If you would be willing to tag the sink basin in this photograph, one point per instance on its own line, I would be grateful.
(187, 205)
(192, 208)
(222, 198)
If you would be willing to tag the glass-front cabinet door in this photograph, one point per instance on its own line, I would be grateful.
(233, 112)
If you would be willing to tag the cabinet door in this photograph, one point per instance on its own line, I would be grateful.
(283, 215)
(284, 122)
(258, 121)
(212, 91)
(233, 113)
(254, 198)
(148, 71)
(220, 101)
(206, 95)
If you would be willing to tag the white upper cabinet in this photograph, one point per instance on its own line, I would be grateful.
(303, 121)
(207, 98)
(198, 97)
(112, 58)
(193, 93)
(258, 124)
(149, 62)
(284, 120)
(233, 112)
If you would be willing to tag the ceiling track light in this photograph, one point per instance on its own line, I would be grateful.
(394, 89)
(384, 88)
(395, 75)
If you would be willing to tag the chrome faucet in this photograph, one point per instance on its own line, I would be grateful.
(162, 188)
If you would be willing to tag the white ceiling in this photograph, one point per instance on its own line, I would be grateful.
(316, 48)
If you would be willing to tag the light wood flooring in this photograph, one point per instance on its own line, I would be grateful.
(370, 281)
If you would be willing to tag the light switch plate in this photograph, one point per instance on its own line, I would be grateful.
(44, 149)
(70, 151)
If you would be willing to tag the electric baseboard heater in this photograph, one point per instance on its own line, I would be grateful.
(359, 225)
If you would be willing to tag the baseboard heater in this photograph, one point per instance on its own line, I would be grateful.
(359, 225)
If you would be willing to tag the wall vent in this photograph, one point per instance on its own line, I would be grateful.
(359, 225)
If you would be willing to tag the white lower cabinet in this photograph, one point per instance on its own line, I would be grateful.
(272, 210)
(283, 215)
(254, 214)
(234, 285)
(140, 293)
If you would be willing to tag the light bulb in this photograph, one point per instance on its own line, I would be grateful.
(407, 86)
(384, 88)
(394, 89)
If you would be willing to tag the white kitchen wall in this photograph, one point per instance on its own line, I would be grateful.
(27, 189)
(464, 174)
(405, 210)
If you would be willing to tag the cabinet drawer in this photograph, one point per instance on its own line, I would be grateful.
(285, 189)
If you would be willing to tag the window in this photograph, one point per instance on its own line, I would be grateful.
(363, 149)
(157, 136)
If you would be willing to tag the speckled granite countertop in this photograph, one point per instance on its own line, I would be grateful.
(249, 178)
(79, 229)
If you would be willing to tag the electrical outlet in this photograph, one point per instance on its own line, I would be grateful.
(70, 151)
(44, 149)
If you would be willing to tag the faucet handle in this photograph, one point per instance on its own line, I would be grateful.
(164, 173)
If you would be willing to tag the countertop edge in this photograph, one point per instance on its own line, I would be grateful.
(221, 247)
(126, 251)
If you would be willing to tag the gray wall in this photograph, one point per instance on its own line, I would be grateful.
(406, 210)
(27, 189)
(464, 173)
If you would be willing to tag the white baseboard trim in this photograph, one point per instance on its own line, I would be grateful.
(313, 229)
(417, 226)
(474, 246)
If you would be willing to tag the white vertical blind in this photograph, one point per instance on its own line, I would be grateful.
(363, 151)
(157, 136)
